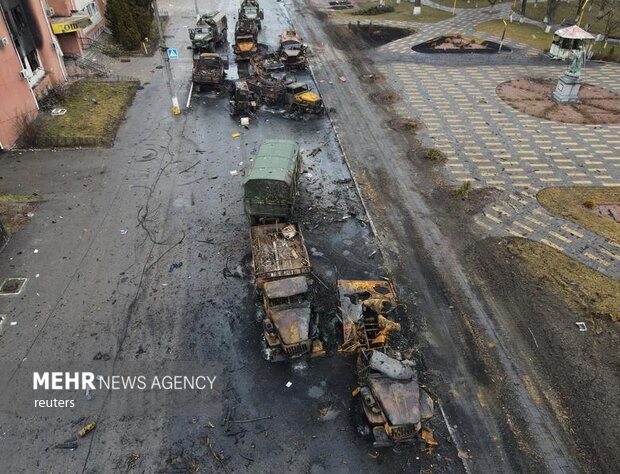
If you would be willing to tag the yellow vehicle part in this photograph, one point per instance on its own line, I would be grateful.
(308, 97)
(246, 47)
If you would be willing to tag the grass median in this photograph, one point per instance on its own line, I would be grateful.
(16, 210)
(402, 12)
(579, 204)
(530, 35)
(95, 110)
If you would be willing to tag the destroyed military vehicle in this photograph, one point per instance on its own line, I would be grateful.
(296, 97)
(268, 66)
(241, 100)
(271, 187)
(282, 268)
(292, 50)
(210, 31)
(300, 98)
(392, 402)
(250, 10)
(246, 40)
(209, 71)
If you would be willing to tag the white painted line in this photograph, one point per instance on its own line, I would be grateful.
(189, 97)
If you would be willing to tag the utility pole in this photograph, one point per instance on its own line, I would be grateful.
(176, 110)
(196, 7)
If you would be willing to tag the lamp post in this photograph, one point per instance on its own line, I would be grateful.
(176, 110)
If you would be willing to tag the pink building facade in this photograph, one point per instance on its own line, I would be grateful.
(31, 62)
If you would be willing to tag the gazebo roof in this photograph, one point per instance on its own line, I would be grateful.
(573, 32)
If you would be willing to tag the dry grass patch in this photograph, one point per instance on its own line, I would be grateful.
(15, 210)
(579, 204)
(579, 285)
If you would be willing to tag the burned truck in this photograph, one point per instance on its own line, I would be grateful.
(292, 50)
(250, 10)
(209, 71)
(246, 40)
(268, 66)
(241, 100)
(210, 31)
(300, 98)
(282, 269)
(295, 97)
(392, 402)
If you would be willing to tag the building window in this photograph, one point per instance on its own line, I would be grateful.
(26, 38)
(92, 9)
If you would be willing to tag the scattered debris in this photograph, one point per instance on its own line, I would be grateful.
(251, 420)
(427, 435)
(235, 134)
(124, 231)
(174, 266)
(87, 429)
(101, 356)
(582, 326)
(288, 384)
(58, 112)
(68, 444)
(289, 232)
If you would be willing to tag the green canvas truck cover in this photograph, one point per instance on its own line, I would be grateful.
(269, 190)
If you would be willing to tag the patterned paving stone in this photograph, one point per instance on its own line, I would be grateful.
(491, 144)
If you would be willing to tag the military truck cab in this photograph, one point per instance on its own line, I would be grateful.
(250, 10)
(210, 31)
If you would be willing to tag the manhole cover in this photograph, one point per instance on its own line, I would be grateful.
(12, 286)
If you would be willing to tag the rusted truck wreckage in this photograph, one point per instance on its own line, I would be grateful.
(250, 10)
(393, 403)
(296, 97)
(246, 39)
(292, 50)
(209, 71)
(282, 268)
(241, 100)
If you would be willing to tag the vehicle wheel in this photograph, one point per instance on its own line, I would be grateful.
(359, 418)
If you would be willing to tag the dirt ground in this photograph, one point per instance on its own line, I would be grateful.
(576, 371)
(533, 97)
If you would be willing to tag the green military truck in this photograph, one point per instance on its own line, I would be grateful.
(271, 187)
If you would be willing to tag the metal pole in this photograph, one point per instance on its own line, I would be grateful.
(176, 110)
(196, 7)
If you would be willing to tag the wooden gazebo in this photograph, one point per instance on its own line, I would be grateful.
(568, 41)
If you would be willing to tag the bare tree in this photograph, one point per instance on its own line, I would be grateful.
(523, 6)
(612, 19)
(580, 4)
(552, 6)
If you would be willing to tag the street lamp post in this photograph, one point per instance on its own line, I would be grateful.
(176, 110)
